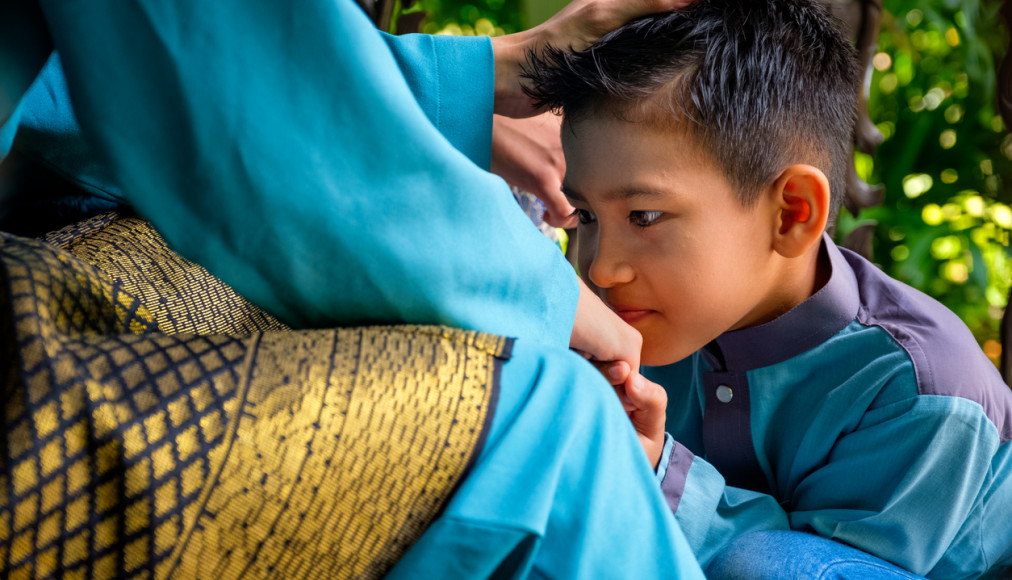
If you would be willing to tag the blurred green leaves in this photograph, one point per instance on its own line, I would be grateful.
(471, 17)
(946, 160)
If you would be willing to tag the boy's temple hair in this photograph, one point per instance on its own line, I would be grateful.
(761, 85)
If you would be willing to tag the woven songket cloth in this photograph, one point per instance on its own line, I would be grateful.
(158, 425)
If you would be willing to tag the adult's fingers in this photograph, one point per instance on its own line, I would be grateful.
(601, 334)
(527, 153)
(617, 372)
(581, 23)
(558, 210)
(629, 9)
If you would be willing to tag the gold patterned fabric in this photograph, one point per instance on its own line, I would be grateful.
(179, 294)
(136, 445)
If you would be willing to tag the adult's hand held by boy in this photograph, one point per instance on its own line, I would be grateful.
(600, 335)
(576, 26)
(528, 153)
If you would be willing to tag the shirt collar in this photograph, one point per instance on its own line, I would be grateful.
(808, 324)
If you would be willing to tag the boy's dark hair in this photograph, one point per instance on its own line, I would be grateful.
(761, 84)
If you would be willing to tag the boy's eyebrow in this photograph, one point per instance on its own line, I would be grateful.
(619, 195)
(571, 193)
(631, 192)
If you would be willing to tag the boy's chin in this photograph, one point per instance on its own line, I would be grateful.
(658, 357)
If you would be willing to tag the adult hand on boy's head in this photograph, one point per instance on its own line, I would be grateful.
(528, 153)
(582, 22)
(576, 26)
(600, 335)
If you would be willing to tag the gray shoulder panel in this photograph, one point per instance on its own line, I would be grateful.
(946, 357)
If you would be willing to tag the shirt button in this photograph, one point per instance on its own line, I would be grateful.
(724, 394)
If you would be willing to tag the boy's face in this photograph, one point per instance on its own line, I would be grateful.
(663, 238)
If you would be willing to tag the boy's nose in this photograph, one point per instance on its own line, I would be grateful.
(608, 266)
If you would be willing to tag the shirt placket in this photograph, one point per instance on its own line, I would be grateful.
(727, 430)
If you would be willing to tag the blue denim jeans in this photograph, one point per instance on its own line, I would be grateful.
(786, 555)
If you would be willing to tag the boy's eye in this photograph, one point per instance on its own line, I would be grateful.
(585, 216)
(644, 218)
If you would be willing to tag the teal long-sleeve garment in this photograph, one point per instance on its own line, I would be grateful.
(359, 197)
(335, 175)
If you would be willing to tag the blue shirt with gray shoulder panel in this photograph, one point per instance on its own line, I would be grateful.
(867, 414)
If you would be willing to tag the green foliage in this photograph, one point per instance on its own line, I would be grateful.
(471, 17)
(944, 227)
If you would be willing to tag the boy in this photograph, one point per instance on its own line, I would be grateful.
(706, 152)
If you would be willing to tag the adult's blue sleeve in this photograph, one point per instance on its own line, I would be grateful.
(283, 148)
(24, 46)
(48, 134)
(428, 63)
(48, 131)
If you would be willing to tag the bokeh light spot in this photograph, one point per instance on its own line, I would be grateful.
(992, 348)
(916, 184)
(947, 139)
(956, 272)
(882, 61)
(1001, 215)
(952, 37)
(953, 114)
(932, 214)
(946, 247)
(974, 205)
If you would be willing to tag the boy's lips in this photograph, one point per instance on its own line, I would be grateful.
(631, 314)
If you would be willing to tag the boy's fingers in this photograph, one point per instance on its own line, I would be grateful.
(628, 407)
(649, 399)
(650, 402)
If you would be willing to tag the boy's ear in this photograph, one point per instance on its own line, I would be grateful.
(801, 195)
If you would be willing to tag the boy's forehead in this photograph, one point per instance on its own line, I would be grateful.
(609, 140)
(657, 111)
(609, 159)
(618, 122)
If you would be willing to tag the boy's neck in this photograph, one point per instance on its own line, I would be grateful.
(795, 282)
(811, 274)
(822, 269)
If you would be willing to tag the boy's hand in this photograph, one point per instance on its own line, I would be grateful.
(576, 26)
(645, 403)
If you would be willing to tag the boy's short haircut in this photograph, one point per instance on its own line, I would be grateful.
(761, 84)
